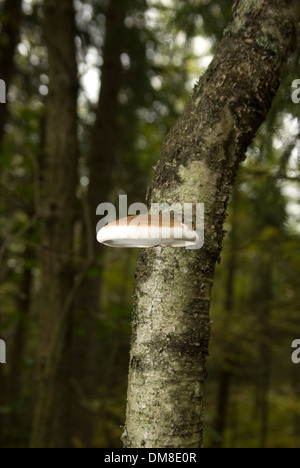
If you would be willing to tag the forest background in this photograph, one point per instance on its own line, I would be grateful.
(134, 67)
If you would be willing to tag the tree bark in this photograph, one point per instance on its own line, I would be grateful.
(10, 26)
(58, 214)
(199, 161)
(103, 159)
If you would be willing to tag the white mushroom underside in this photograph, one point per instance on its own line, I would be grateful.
(146, 236)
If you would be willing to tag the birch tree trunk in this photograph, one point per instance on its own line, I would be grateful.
(58, 214)
(199, 161)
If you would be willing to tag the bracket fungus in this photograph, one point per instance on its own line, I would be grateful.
(145, 231)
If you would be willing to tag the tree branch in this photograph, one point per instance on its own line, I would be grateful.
(199, 161)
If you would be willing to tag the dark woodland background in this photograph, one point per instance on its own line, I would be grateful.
(148, 55)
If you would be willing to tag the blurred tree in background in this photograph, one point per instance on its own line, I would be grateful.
(147, 56)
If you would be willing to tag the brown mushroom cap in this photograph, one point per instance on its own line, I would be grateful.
(146, 220)
(147, 231)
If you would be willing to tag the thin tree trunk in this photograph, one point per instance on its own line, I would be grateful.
(222, 406)
(102, 162)
(17, 353)
(200, 157)
(265, 399)
(265, 293)
(11, 17)
(226, 373)
(295, 381)
(2, 399)
(58, 214)
(234, 417)
(14, 379)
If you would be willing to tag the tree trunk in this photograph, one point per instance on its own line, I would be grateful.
(295, 383)
(234, 420)
(23, 304)
(58, 214)
(265, 399)
(226, 373)
(14, 379)
(200, 157)
(264, 292)
(2, 398)
(101, 167)
(11, 17)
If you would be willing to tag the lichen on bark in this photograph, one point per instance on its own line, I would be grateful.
(199, 161)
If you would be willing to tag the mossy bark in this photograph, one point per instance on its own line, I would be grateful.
(199, 161)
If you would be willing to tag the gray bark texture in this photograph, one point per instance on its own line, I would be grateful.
(199, 161)
(58, 215)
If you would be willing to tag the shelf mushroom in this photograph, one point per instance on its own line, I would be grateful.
(146, 231)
